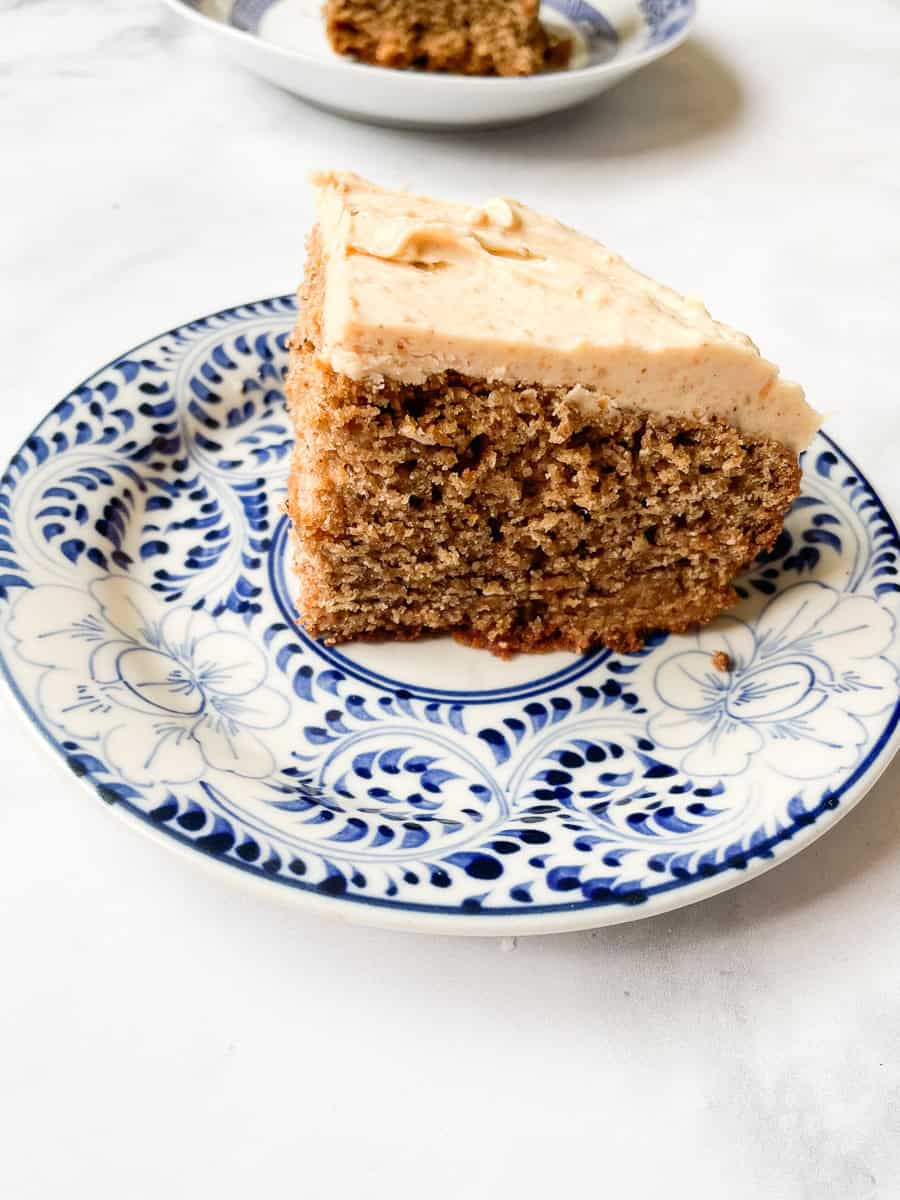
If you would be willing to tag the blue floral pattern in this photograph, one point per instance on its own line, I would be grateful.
(147, 628)
(801, 677)
(170, 693)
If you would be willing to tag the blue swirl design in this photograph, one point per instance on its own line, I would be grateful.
(147, 628)
(587, 19)
(665, 18)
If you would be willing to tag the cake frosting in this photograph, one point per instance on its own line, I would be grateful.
(417, 287)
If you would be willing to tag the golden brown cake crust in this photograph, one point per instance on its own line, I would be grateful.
(508, 516)
(470, 37)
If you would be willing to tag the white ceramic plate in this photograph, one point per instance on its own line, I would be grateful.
(284, 41)
(147, 631)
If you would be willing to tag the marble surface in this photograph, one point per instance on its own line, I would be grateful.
(164, 1034)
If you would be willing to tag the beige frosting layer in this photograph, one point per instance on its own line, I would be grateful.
(415, 287)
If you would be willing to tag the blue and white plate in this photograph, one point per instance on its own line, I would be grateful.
(148, 632)
(285, 42)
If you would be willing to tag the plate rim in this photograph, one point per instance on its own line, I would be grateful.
(242, 37)
(405, 916)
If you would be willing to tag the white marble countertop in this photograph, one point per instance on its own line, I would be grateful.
(165, 1035)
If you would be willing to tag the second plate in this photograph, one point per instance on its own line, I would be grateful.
(284, 41)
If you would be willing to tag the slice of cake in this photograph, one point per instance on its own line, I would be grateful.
(506, 433)
(470, 37)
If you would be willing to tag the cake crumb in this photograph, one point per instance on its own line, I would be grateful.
(721, 661)
(468, 37)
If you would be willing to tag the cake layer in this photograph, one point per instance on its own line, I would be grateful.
(417, 287)
(510, 518)
(472, 37)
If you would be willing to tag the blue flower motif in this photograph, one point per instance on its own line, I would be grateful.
(166, 690)
(801, 657)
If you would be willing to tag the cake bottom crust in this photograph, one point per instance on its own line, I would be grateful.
(530, 628)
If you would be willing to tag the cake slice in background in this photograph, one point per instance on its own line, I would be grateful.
(469, 37)
(506, 433)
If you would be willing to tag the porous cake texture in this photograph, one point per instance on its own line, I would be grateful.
(472, 460)
(470, 37)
